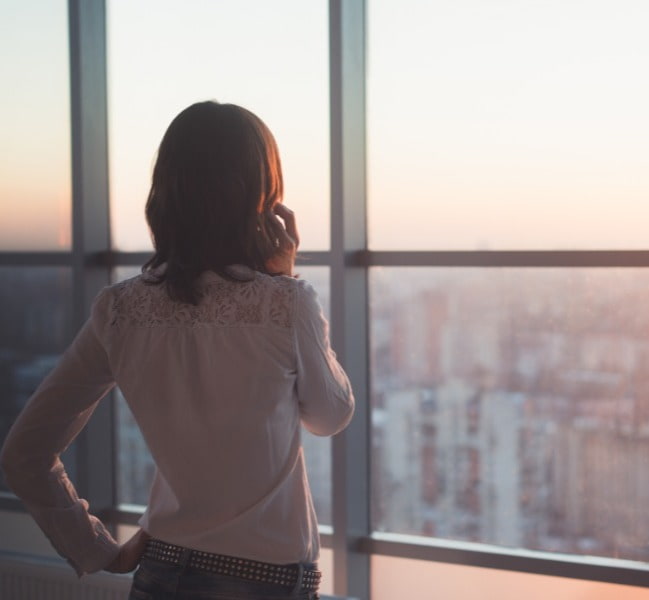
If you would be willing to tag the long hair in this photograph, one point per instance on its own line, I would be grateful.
(216, 179)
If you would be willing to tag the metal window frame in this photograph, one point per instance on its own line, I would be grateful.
(92, 259)
(95, 446)
(94, 449)
(349, 292)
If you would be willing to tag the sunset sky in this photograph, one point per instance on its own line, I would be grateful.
(491, 124)
(35, 181)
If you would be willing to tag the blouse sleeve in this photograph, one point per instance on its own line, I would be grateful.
(50, 421)
(323, 389)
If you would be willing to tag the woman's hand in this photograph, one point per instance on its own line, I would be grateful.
(129, 553)
(286, 240)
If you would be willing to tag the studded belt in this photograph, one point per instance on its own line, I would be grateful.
(220, 564)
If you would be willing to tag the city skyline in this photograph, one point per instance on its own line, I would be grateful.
(510, 406)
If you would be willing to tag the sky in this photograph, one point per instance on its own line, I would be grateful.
(492, 124)
(35, 181)
(503, 124)
(270, 57)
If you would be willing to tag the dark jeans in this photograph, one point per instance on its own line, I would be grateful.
(157, 581)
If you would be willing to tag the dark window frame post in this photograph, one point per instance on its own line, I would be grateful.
(95, 447)
(349, 293)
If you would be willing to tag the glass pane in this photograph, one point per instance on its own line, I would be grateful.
(510, 407)
(270, 57)
(35, 184)
(135, 465)
(405, 578)
(35, 321)
(500, 125)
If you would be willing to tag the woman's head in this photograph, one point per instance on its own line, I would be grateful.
(215, 181)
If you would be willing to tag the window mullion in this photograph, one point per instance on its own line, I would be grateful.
(350, 456)
(90, 222)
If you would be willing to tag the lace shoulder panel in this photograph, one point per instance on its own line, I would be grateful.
(264, 300)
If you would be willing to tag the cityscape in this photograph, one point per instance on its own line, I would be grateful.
(509, 406)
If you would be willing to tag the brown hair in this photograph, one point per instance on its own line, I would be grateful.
(215, 181)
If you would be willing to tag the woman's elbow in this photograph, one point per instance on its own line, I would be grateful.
(325, 425)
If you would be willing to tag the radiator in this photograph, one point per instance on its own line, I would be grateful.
(24, 577)
(34, 578)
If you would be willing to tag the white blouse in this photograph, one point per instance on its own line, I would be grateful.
(219, 391)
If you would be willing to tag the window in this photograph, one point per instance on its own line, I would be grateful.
(471, 206)
(148, 89)
(235, 53)
(507, 125)
(35, 210)
(507, 403)
(510, 406)
(35, 175)
(35, 324)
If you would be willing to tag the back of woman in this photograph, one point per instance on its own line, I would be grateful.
(222, 355)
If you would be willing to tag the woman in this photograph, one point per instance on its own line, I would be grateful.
(221, 353)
